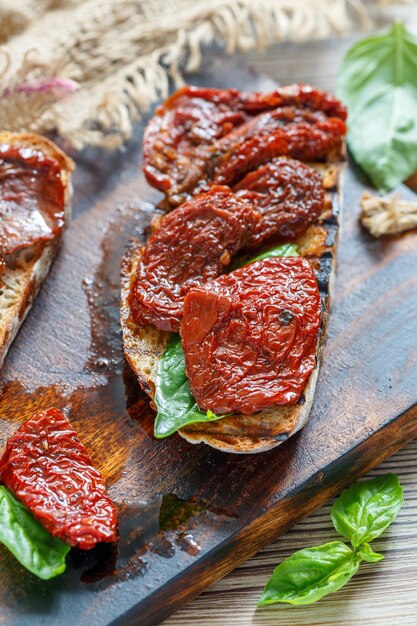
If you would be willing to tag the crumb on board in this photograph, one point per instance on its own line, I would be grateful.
(389, 215)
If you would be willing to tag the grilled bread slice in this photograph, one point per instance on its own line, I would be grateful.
(243, 434)
(26, 269)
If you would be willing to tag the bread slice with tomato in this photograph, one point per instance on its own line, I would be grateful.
(35, 174)
(260, 431)
(240, 343)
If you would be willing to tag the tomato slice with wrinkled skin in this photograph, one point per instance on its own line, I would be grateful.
(31, 198)
(250, 337)
(193, 244)
(183, 138)
(50, 471)
(289, 196)
(297, 133)
(31, 201)
(191, 117)
(294, 95)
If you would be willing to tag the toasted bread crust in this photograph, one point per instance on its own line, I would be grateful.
(21, 283)
(239, 434)
(143, 345)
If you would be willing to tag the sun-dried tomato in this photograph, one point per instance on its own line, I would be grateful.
(31, 198)
(294, 95)
(250, 337)
(51, 472)
(182, 137)
(191, 117)
(193, 244)
(289, 196)
(299, 133)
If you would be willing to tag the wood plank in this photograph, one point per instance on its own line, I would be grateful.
(69, 354)
(380, 594)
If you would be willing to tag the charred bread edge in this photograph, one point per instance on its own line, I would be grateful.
(144, 346)
(21, 284)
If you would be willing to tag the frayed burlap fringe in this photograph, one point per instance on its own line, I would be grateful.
(88, 69)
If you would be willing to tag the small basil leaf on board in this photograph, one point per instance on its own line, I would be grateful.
(33, 546)
(310, 574)
(364, 510)
(377, 81)
(175, 404)
(367, 554)
(286, 249)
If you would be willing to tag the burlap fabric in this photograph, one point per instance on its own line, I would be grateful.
(89, 68)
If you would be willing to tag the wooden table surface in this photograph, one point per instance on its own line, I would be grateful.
(383, 593)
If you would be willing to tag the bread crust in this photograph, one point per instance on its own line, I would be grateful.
(20, 284)
(242, 434)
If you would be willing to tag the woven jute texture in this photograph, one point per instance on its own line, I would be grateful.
(88, 69)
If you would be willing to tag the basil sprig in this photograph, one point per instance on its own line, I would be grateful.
(361, 513)
(175, 404)
(377, 81)
(33, 546)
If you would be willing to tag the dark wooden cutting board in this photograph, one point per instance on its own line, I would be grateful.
(189, 514)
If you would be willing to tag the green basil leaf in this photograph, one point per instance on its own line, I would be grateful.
(378, 83)
(310, 574)
(286, 249)
(175, 404)
(367, 554)
(33, 546)
(364, 510)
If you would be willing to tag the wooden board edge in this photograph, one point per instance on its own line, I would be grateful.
(246, 542)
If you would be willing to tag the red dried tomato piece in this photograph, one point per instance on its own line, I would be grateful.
(193, 244)
(51, 472)
(289, 195)
(181, 138)
(31, 198)
(295, 95)
(250, 337)
(191, 117)
(299, 133)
